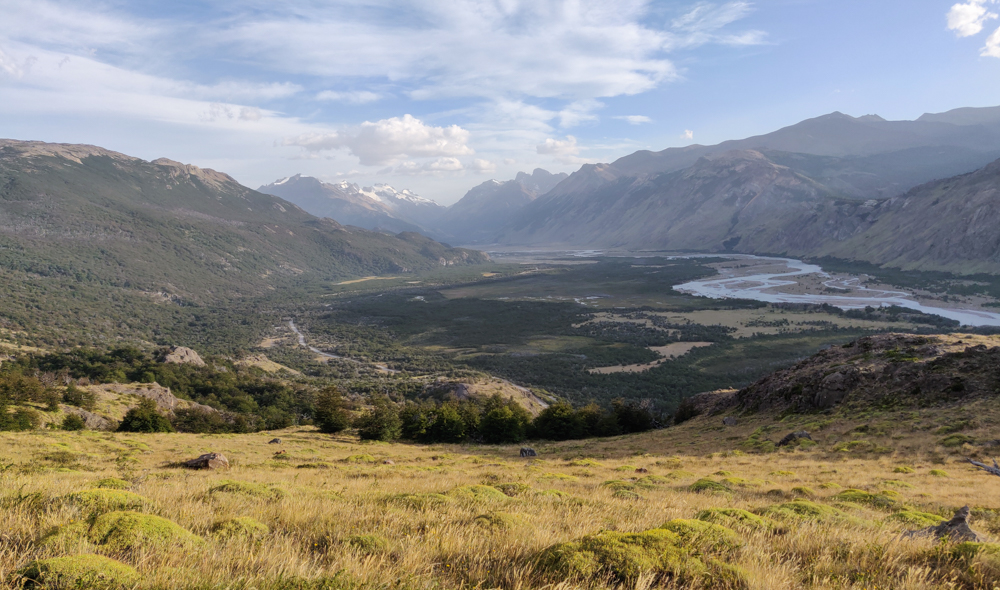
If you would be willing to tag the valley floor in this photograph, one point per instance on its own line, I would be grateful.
(341, 514)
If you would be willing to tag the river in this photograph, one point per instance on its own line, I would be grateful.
(773, 287)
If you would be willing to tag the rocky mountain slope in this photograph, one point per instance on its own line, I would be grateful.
(177, 228)
(881, 372)
(477, 217)
(815, 188)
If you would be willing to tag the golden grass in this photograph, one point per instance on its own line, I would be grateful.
(344, 521)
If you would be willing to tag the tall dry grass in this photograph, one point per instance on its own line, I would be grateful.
(331, 495)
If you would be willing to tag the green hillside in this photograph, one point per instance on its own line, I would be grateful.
(96, 244)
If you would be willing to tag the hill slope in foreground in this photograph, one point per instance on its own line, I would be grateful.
(89, 235)
(321, 511)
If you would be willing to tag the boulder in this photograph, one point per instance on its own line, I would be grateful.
(792, 437)
(208, 461)
(956, 530)
(388, 462)
(183, 355)
(91, 420)
(642, 470)
(729, 421)
(274, 441)
(528, 452)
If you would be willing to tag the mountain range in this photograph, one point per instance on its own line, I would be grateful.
(858, 188)
(474, 219)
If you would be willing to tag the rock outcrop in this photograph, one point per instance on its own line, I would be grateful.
(956, 530)
(208, 461)
(183, 355)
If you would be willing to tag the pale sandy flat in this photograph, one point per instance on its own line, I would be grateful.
(670, 351)
(363, 279)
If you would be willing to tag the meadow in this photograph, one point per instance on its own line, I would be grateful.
(326, 511)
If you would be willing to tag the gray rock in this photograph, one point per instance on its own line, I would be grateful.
(388, 462)
(91, 420)
(792, 437)
(183, 355)
(955, 530)
(729, 421)
(528, 452)
(274, 441)
(208, 461)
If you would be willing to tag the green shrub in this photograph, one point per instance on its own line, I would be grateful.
(883, 500)
(939, 473)
(380, 422)
(73, 422)
(254, 490)
(503, 421)
(679, 474)
(735, 518)
(955, 440)
(626, 494)
(145, 418)
(241, 528)
(331, 415)
(617, 484)
(420, 501)
(782, 473)
(497, 521)
(368, 543)
(707, 485)
(112, 483)
(478, 493)
(106, 500)
(583, 463)
(803, 509)
(81, 398)
(916, 519)
(79, 571)
(706, 537)
(513, 489)
(128, 531)
(624, 557)
(360, 459)
(804, 491)
(903, 469)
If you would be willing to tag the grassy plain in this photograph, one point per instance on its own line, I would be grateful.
(341, 514)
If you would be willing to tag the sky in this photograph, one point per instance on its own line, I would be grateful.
(440, 96)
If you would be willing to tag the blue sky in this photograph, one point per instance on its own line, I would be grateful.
(438, 96)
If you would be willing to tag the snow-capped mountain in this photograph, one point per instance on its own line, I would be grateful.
(375, 207)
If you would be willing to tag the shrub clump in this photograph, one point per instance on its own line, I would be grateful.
(939, 473)
(240, 528)
(368, 543)
(805, 492)
(513, 489)
(79, 571)
(497, 521)
(254, 490)
(127, 531)
(112, 483)
(708, 485)
(884, 500)
(624, 556)
(420, 501)
(105, 500)
(735, 518)
(803, 509)
(916, 518)
(903, 469)
(707, 537)
(360, 459)
(478, 493)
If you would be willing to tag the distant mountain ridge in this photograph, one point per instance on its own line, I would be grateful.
(807, 189)
(473, 219)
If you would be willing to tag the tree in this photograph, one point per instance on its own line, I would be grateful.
(446, 425)
(81, 398)
(558, 422)
(145, 418)
(503, 421)
(331, 415)
(73, 422)
(381, 422)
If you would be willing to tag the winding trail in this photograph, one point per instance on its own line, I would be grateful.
(302, 342)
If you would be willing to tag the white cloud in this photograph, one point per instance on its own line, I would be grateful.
(388, 140)
(436, 167)
(704, 24)
(444, 165)
(634, 119)
(967, 19)
(992, 47)
(10, 66)
(688, 134)
(558, 147)
(581, 111)
(484, 166)
(352, 97)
